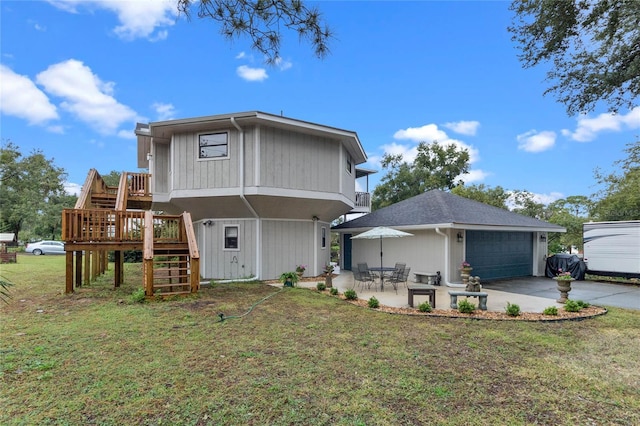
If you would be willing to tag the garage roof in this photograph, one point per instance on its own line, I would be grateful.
(442, 209)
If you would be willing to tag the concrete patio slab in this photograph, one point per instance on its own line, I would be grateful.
(532, 294)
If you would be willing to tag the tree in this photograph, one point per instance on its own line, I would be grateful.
(496, 197)
(525, 204)
(570, 213)
(620, 197)
(261, 21)
(435, 167)
(594, 47)
(112, 179)
(26, 186)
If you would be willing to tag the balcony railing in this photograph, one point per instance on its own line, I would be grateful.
(363, 202)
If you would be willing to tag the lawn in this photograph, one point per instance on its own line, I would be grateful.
(295, 356)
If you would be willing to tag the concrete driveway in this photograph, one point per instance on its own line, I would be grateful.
(594, 292)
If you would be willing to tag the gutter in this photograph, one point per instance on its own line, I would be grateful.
(248, 204)
(446, 261)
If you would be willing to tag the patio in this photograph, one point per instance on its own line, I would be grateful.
(496, 301)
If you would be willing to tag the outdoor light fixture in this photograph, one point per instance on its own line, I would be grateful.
(460, 237)
(315, 218)
(543, 238)
(207, 223)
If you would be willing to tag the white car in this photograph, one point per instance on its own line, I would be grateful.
(45, 247)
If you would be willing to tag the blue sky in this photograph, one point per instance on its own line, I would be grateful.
(75, 77)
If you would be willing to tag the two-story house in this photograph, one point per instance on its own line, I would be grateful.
(262, 189)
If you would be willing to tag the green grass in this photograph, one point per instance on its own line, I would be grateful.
(298, 357)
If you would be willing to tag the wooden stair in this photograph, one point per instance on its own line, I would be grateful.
(108, 218)
(171, 258)
(171, 272)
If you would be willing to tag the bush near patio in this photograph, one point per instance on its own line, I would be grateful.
(297, 357)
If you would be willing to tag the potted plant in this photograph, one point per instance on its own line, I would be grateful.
(328, 271)
(563, 280)
(465, 271)
(289, 279)
(300, 270)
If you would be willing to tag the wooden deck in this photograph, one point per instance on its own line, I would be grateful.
(118, 219)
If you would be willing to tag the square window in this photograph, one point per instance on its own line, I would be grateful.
(231, 237)
(213, 145)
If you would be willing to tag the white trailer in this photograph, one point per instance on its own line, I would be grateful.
(612, 248)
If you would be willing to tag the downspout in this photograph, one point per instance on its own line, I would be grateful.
(249, 206)
(446, 261)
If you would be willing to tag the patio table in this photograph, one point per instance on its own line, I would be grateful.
(381, 270)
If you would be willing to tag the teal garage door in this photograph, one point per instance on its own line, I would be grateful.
(496, 255)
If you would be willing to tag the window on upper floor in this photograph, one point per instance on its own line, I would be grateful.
(213, 145)
(349, 164)
(231, 233)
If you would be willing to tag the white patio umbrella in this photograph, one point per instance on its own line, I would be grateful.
(382, 232)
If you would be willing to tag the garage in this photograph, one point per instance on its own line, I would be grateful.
(499, 254)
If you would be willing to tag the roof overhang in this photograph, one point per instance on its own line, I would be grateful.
(459, 226)
(165, 129)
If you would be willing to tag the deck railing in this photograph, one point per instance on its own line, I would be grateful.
(101, 225)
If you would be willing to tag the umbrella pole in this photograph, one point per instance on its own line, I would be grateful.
(381, 271)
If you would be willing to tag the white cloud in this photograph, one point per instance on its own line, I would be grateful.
(282, 64)
(252, 74)
(534, 141)
(474, 176)
(137, 18)
(538, 198)
(431, 133)
(72, 188)
(164, 111)
(241, 55)
(86, 96)
(588, 128)
(20, 97)
(468, 128)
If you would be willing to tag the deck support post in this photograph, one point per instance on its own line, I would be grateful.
(69, 272)
(118, 268)
(79, 268)
(87, 267)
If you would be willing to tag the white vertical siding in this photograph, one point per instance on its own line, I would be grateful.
(285, 244)
(218, 263)
(161, 168)
(297, 161)
(192, 173)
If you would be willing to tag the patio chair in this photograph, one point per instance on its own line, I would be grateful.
(365, 274)
(363, 279)
(400, 278)
(399, 270)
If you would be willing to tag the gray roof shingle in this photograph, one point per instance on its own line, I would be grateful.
(439, 207)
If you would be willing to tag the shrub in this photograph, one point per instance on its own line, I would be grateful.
(321, 286)
(512, 309)
(466, 307)
(551, 310)
(333, 291)
(289, 279)
(582, 304)
(350, 294)
(373, 303)
(572, 306)
(138, 296)
(424, 307)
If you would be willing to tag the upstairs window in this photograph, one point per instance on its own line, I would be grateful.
(231, 237)
(213, 145)
(349, 166)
